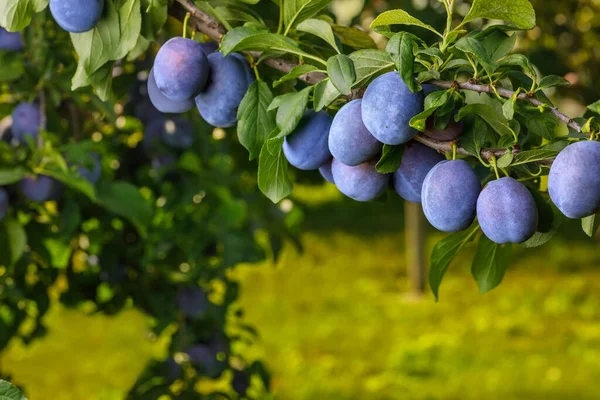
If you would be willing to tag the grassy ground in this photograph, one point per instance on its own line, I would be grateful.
(335, 323)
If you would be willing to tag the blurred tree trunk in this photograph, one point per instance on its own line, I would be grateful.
(415, 247)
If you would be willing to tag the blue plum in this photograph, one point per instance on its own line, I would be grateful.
(146, 112)
(40, 189)
(417, 161)
(177, 133)
(163, 103)
(77, 16)
(449, 195)
(10, 41)
(209, 47)
(361, 182)
(325, 171)
(574, 182)
(92, 170)
(26, 121)
(506, 211)
(240, 382)
(387, 107)
(205, 357)
(229, 80)
(192, 301)
(349, 140)
(181, 69)
(306, 148)
(4, 203)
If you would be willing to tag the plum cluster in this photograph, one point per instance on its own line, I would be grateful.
(188, 73)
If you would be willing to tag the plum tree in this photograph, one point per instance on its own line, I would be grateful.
(417, 161)
(10, 41)
(572, 183)
(77, 16)
(229, 79)
(506, 211)
(361, 182)
(325, 171)
(26, 121)
(41, 188)
(449, 195)
(164, 104)
(349, 140)
(181, 69)
(306, 148)
(92, 170)
(4, 202)
(387, 107)
(192, 301)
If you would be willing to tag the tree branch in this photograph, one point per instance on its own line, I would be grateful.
(206, 24)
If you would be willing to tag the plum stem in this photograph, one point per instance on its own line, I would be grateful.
(185, 24)
(494, 166)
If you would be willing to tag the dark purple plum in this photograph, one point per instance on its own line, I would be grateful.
(325, 171)
(229, 80)
(92, 170)
(506, 211)
(387, 107)
(181, 69)
(361, 182)
(209, 47)
(452, 131)
(574, 181)
(417, 161)
(4, 203)
(192, 301)
(40, 189)
(449, 195)
(349, 140)
(240, 382)
(10, 41)
(163, 103)
(77, 16)
(26, 121)
(306, 148)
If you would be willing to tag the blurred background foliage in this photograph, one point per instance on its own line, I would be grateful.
(334, 321)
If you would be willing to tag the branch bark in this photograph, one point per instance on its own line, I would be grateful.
(206, 24)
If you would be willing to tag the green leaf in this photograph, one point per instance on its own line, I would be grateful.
(291, 110)
(474, 47)
(490, 263)
(369, 64)
(390, 160)
(400, 17)
(340, 69)
(155, 16)
(325, 93)
(530, 156)
(433, 101)
(296, 72)
(71, 179)
(400, 47)
(12, 66)
(354, 37)
(505, 160)
(10, 392)
(552, 81)
(537, 123)
(255, 123)
(236, 35)
(232, 14)
(590, 224)
(519, 12)
(296, 11)
(549, 220)
(13, 241)
(125, 200)
(268, 42)
(595, 107)
(489, 115)
(319, 28)
(443, 253)
(15, 15)
(518, 60)
(10, 175)
(273, 179)
(475, 137)
(508, 108)
(130, 24)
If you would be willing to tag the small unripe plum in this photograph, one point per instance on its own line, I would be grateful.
(3, 203)
(229, 80)
(325, 171)
(361, 182)
(349, 140)
(163, 103)
(181, 69)
(387, 107)
(92, 171)
(574, 181)
(506, 211)
(417, 161)
(192, 301)
(26, 121)
(306, 148)
(77, 16)
(40, 189)
(10, 41)
(449, 195)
